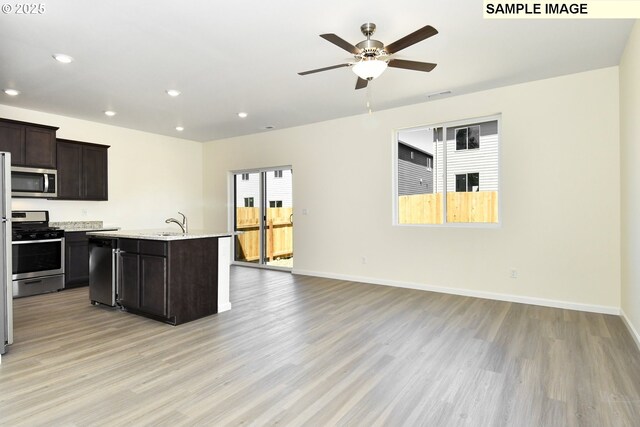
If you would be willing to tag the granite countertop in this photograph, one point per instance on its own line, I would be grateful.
(71, 226)
(164, 235)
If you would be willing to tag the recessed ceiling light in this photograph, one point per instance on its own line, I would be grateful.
(61, 57)
(242, 114)
(179, 128)
(173, 92)
(110, 113)
(11, 92)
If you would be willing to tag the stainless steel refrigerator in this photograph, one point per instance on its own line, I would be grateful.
(6, 284)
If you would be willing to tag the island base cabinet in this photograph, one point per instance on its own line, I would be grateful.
(129, 280)
(153, 285)
(174, 281)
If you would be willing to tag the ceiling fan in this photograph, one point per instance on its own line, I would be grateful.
(373, 57)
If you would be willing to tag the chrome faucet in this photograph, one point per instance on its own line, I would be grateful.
(183, 224)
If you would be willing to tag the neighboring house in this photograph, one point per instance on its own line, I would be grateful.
(278, 189)
(415, 170)
(472, 157)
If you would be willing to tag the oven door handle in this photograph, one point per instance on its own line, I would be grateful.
(24, 242)
(46, 182)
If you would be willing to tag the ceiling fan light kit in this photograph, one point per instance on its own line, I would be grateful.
(373, 57)
(369, 69)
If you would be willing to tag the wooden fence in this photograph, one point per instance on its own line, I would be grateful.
(279, 232)
(481, 206)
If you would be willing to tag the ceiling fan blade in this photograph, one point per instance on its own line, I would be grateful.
(317, 70)
(332, 38)
(412, 65)
(361, 83)
(413, 38)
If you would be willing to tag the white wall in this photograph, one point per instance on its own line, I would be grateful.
(630, 178)
(560, 201)
(151, 176)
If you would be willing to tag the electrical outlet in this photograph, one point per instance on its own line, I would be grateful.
(364, 259)
(513, 273)
(305, 211)
(84, 212)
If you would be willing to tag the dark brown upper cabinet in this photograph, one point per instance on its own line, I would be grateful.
(82, 170)
(30, 144)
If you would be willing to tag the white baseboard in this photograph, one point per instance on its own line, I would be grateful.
(632, 330)
(467, 292)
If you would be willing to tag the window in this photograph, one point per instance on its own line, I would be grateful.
(248, 201)
(468, 182)
(275, 203)
(468, 138)
(245, 177)
(277, 174)
(448, 173)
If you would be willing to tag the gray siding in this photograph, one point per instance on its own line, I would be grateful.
(414, 177)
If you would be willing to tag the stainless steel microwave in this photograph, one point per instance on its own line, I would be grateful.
(33, 182)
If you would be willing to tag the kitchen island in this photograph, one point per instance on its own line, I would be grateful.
(172, 277)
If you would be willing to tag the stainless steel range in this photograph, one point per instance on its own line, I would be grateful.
(38, 254)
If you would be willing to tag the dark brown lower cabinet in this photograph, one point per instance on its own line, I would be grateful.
(153, 284)
(129, 292)
(172, 281)
(76, 269)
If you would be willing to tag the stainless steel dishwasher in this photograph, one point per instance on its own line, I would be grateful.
(103, 270)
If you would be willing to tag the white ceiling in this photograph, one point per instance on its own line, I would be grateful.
(227, 57)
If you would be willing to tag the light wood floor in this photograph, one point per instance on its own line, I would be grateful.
(297, 350)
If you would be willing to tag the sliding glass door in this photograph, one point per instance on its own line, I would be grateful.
(263, 209)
